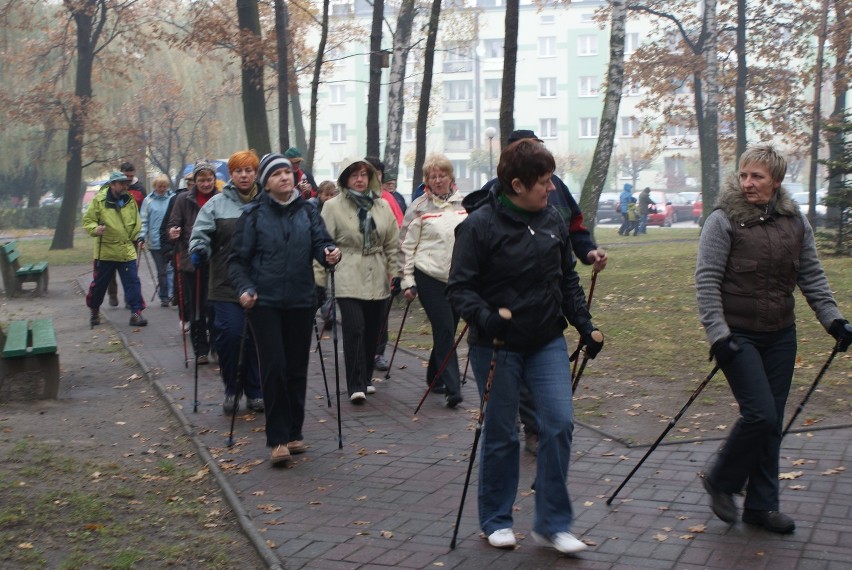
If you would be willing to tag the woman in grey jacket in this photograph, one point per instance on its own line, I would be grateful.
(362, 225)
(755, 249)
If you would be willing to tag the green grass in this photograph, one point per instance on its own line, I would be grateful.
(38, 249)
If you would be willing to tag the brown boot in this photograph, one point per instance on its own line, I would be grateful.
(280, 456)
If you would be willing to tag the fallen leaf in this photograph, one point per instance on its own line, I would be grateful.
(834, 471)
(686, 536)
(361, 498)
(269, 508)
(790, 475)
(667, 528)
(798, 462)
(588, 504)
(381, 452)
(797, 487)
(198, 476)
(361, 523)
(660, 537)
(25, 545)
(258, 493)
(386, 534)
(697, 528)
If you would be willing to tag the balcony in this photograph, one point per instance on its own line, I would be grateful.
(457, 145)
(458, 106)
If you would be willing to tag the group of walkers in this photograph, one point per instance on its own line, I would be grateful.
(257, 259)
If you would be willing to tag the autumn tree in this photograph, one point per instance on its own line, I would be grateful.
(510, 62)
(425, 93)
(250, 44)
(375, 85)
(396, 83)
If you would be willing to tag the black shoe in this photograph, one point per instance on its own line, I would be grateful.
(773, 521)
(164, 302)
(722, 503)
(439, 390)
(454, 400)
(173, 300)
(95, 319)
(380, 363)
(255, 404)
(137, 320)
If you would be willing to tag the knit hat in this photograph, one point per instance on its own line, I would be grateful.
(117, 177)
(521, 135)
(203, 165)
(292, 152)
(269, 164)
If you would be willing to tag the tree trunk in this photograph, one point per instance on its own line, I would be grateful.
(396, 85)
(374, 92)
(298, 119)
(510, 62)
(282, 41)
(707, 108)
(315, 84)
(816, 120)
(742, 79)
(425, 94)
(89, 18)
(842, 43)
(596, 179)
(253, 96)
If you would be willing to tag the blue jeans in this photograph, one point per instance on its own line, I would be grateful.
(104, 272)
(759, 378)
(228, 320)
(546, 371)
(643, 223)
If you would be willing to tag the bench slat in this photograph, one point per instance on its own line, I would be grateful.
(16, 339)
(13, 255)
(32, 268)
(44, 337)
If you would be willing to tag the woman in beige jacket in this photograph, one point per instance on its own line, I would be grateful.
(425, 252)
(364, 228)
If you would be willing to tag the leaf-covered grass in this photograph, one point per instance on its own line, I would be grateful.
(38, 249)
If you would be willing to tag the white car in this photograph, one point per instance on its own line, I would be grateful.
(803, 198)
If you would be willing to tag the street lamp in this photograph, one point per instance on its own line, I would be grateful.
(490, 132)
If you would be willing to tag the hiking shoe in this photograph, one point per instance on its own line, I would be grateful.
(773, 521)
(95, 319)
(230, 404)
(371, 389)
(531, 442)
(721, 503)
(173, 300)
(202, 359)
(113, 300)
(164, 302)
(380, 363)
(502, 538)
(454, 400)
(357, 397)
(564, 542)
(296, 447)
(280, 456)
(137, 320)
(255, 404)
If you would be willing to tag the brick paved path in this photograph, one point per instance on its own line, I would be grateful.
(389, 497)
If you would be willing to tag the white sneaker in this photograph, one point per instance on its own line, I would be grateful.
(371, 389)
(357, 397)
(564, 542)
(502, 538)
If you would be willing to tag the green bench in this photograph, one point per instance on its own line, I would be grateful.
(15, 274)
(30, 346)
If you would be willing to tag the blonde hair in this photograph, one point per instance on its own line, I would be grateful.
(766, 155)
(161, 179)
(438, 161)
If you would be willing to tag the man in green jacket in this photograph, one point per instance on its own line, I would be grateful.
(113, 219)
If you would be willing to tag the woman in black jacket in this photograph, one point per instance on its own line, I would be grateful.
(513, 252)
(270, 264)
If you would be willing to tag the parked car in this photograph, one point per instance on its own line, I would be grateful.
(662, 212)
(697, 210)
(690, 197)
(608, 208)
(681, 207)
(803, 198)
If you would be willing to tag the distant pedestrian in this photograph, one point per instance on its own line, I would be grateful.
(325, 192)
(755, 249)
(275, 241)
(645, 202)
(153, 214)
(389, 186)
(305, 182)
(623, 205)
(113, 220)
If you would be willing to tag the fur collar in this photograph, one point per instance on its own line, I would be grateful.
(732, 201)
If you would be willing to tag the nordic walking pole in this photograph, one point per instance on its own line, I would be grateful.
(442, 367)
(179, 277)
(97, 263)
(140, 253)
(480, 419)
(240, 364)
(671, 424)
(399, 334)
(196, 318)
(574, 377)
(336, 359)
(322, 362)
(466, 365)
(598, 337)
(812, 388)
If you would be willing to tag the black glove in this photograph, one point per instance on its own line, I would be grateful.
(593, 347)
(724, 351)
(842, 331)
(198, 257)
(496, 326)
(396, 287)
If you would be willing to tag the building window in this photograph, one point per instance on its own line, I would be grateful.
(457, 58)
(679, 130)
(631, 42)
(338, 132)
(547, 128)
(408, 131)
(588, 127)
(587, 44)
(630, 90)
(546, 19)
(337, 94)
(458, 135)
(335, 169)
(494, 49)
(589, 85)
(547, 46)
(547, 87)
(629, 126)
(460, 169)
(493, 87)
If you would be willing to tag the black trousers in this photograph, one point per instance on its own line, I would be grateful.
(197, 311)
(283, 339)
(444, 321)
(362, 322)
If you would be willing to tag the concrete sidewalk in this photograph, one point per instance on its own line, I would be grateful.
(389, 498)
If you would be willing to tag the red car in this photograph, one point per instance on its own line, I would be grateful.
(697, 210)
(661, 213)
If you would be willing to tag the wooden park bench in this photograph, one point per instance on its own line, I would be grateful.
(15, 274)
(30, 346)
